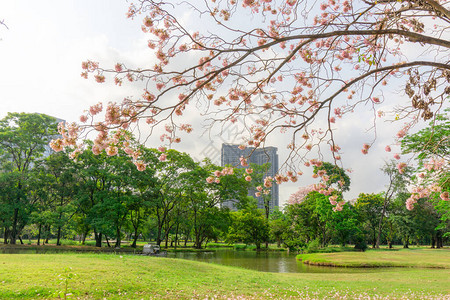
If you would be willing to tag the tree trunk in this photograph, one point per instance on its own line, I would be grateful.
(39, 234)
(439, 240)
(258, 246)
(133, 245)
(433, 242)
(117, 245)
(5, 237)
(390, 244)
(167, 239)
(406, 243)
(58, 237)
(47, 236)
(98, 239)
(107, 241)
(20, 239)
(176, 235)
(84, 236)
(158, 236)
(14, 227)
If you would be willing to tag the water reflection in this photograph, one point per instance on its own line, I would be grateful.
(278, 262)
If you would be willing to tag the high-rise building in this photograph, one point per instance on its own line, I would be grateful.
(230, 155)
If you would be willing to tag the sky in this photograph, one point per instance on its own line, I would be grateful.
(40, 65)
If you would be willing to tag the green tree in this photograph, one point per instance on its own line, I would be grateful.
(345, 224)
(23, 141)
(369, 208)
(428, 144)
(336, 176)
(278, 225)
(248, 226)
(397, 183)
(61, 186)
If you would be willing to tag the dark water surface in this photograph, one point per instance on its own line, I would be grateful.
(277, 262)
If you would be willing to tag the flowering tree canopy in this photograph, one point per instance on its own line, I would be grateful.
(289, 66)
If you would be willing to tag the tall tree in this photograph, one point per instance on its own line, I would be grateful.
(398, 181)
(295, 63)
(23, 141)
(431, 147)
(369, 207)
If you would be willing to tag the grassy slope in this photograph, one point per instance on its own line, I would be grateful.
(424, 258)
(31, 276)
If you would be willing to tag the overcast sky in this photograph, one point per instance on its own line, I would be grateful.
(40, 66)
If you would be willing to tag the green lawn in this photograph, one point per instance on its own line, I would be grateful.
(422, 258)
(97, 276)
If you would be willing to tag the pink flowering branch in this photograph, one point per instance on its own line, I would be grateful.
(293, 65)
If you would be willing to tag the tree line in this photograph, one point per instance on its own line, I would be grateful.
(45, 195)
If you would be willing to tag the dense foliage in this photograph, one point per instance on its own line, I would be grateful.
(105, 197)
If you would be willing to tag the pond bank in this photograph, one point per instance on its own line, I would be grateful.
(405, 258)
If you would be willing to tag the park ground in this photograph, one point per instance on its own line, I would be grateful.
(413, 274)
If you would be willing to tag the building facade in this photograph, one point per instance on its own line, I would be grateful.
(230, 155)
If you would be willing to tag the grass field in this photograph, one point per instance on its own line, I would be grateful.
(109, 276)
(419, 257)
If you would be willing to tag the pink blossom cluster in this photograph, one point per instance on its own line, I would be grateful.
(225, 171)
(299, 196)
(423, 189)
(69, 133)
(365, 148)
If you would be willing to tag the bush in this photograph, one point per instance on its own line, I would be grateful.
(313, 246)
(360, 242)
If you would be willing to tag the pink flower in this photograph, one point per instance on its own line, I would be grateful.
(118, 67)
(387, 148)
(258, 194)
(241, 147)
(243, 161)
(397, 156)
(140, 165)
(56, 145)
(410, 203)
(259, 188)
(364, 151)
(445, 196)
(217, 173)
(163, 157)
(333, 199)
(248, 178)
(401, 167)
(112, 150)
(162, 149)
(249, 171)
(210, 179)
(217, 180)
(99, 78)
(268, 182)
(83, 119)
(96, 150)
(366, 146)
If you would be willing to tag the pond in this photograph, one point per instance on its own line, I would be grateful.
(272, 261)
(278, 261)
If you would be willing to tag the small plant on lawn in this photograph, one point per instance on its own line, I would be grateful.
(65, 278)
